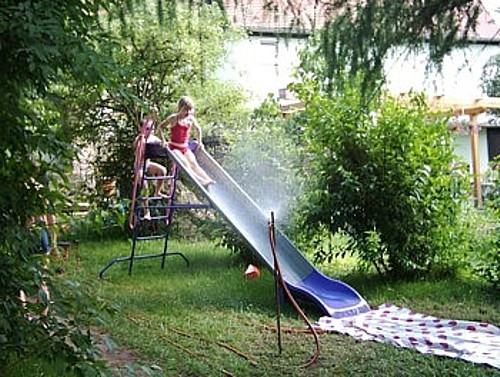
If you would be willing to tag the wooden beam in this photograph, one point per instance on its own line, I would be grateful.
(476, 173)
(464, 107)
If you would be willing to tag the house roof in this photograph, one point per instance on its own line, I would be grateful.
(277, 15)
(305, 16)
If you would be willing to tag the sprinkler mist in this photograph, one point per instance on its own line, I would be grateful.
(265, 172)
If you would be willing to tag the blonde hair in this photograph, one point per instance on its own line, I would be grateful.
(185, 101)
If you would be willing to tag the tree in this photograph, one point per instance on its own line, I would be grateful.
(41, 43)
(46, 47)
(491, 78)
(381, 171)
(156, 65)
(360, 35)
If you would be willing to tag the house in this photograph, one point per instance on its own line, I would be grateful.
(263, 63)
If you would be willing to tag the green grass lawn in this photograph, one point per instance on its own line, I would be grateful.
(207, 320)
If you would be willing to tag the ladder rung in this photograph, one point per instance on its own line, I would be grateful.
(154, 218)
(176, 206)
(159, 207)
(167, 197)
(158, 177)
(189, 206)
(154, 207)
(155, 237)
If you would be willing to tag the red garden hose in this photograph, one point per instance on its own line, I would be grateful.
(279, 277)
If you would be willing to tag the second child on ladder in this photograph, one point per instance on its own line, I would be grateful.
(152, 168)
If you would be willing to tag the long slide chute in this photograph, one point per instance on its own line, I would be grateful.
(334, 297)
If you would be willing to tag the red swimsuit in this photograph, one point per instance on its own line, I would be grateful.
(179, 134)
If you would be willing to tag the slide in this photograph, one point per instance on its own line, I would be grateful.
(334, 297)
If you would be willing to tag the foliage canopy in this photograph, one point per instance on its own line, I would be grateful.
(44, 45)
(41, 42)
(155, 66)
(360, 35)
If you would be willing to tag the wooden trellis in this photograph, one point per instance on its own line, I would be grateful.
(472, 108)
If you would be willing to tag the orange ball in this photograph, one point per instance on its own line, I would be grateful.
(252, 272)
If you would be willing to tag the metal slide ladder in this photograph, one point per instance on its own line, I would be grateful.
(161, 209)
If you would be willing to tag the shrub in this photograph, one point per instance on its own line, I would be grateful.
(99, 223)
(388, 170)
(484, 232)
(483, 242)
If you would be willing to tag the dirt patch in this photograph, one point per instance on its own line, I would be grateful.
(118, 358)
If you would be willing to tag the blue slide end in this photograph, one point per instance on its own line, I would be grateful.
(335, 298)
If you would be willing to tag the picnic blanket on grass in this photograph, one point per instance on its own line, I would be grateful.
(476, 342)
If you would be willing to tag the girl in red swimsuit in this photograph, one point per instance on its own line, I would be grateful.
(180, 124)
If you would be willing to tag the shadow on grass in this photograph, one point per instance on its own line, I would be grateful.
(212, 280)
(215, 279)
(213, 302)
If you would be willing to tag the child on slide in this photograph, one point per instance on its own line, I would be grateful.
(180, 124)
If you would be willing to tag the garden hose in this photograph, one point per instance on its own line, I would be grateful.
(279, 276)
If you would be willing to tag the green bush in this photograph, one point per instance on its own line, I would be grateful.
(35, 156)
(482, 232)
(492, 192)
(60, 335)
(483, 227)
(99, 223)
(386, 168)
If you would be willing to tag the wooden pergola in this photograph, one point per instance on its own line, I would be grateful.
(472, 108)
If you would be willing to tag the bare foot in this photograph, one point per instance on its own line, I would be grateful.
(208, 183)
(161, 195)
